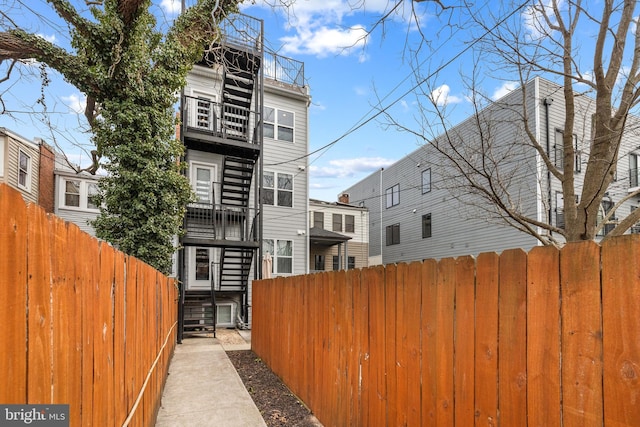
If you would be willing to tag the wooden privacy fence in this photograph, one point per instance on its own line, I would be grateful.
(81, 323)
(547, 338)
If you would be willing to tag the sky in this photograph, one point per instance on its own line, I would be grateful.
(356, 64)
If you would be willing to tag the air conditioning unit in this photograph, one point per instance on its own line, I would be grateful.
(635, 229)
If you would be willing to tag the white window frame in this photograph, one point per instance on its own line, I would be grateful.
(277, 125)
(83, 194)
(28, 175)
(233, 313)
(200, 284)
(193, 175)
(275, 256)
(276, 188)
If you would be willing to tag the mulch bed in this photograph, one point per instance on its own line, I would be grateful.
(276, 403)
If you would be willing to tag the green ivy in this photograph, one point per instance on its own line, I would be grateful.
(133, 72)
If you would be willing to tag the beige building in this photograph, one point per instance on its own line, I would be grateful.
(27, 166)
(338, 235)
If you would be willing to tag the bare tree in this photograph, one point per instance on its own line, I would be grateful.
(545, 39)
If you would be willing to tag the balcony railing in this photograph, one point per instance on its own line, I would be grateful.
(220, 222)
(242, 31)
(283, 69)
(222, 120)
(634, 177)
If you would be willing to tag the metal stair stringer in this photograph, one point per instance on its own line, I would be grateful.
(235, 265)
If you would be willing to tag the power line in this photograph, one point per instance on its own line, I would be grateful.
(360, 123)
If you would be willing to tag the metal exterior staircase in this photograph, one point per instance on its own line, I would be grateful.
(198, 314)
(237, 173)
(235, 264)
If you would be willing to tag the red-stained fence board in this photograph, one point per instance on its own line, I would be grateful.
(13, 294)
(486, 341)
(543, 337)
(581, 335)
(621, 331)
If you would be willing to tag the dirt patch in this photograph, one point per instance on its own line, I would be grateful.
(278, 406)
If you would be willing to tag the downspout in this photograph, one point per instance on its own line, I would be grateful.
(381, 228)
(547, 104)
(257, 265)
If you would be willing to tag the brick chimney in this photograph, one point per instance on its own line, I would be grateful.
(344, 198)
(46, 190)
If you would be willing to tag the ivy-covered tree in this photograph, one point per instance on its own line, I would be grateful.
(130, 73)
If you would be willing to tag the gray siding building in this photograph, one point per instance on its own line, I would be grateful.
(420, 208)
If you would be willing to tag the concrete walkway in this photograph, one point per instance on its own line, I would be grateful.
(204, 389)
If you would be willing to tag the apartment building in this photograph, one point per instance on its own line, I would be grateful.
(244, 118)
(416, 211)
(338, 235)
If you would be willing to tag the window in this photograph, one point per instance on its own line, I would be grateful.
(284, 195)
(426, 181)
(202, 264)
(282, 252)
(285, 189)
(426, 225)
(225, 314)
(318, 220)
(92, 192)
(24, 170)
(393, 234)
(559, 210)
(202, 177)
(337, 222)
(319, 262)
(606, 207)
(633, 170)
(351, 263)
(393, 195)
(72, 193)
(278, 124)
(559, 152)
(78, 194)
(349, 223)
(268, 180)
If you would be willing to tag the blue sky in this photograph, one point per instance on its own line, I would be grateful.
(350, 64)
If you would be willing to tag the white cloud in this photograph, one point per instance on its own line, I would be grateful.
(75, 102)
(441, 96)
(504, 89)
(361, 91)
(535, 18)
(326, 41)
(171, 7)
(346, 168)
(51, 38)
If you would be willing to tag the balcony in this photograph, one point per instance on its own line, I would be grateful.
(214, 126)
(220, 225)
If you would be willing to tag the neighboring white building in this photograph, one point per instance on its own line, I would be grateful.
(415, 213)
(73, 193)
(338, 235)
(27, 166)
